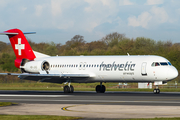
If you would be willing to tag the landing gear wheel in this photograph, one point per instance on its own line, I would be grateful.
(156, 91)
(71, 89)
(98, 88)
(66, 89)
(103, 89)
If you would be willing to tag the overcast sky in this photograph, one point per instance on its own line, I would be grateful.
(60, 20)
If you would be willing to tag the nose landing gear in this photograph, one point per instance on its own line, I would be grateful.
(156, 90)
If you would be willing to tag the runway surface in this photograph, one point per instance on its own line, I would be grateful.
(92, 105)
(108, 98)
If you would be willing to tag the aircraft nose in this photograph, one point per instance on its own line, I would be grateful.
(172, 73)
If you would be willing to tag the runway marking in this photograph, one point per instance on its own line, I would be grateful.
(66, 109)
(34, 95)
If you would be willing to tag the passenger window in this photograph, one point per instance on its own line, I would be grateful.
(94, 65)
(86, 65)
(76, 65)
(89, 65)
(80, 66)
(97, 65)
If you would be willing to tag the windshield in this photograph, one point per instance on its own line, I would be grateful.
(164, 63)
(161, 64)
(169, 63)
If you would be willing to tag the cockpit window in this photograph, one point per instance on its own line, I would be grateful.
(155, 64)
(161, 63)
(164, 64)
(169, 63)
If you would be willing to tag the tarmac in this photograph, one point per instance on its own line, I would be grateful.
(91, 105)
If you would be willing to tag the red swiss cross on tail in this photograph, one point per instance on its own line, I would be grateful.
(20, 45)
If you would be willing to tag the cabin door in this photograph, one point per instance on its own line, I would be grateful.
(143, 69)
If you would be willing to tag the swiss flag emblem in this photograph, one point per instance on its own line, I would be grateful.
(19, 46)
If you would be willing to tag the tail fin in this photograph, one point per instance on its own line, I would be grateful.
(20, 45)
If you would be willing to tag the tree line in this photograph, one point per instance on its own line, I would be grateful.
(111, 44)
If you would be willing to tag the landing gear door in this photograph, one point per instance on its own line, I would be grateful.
(143, 69)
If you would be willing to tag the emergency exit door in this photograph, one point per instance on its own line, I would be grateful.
(143, 69)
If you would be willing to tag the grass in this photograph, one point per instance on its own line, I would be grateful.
(77, 87)
(49, 117)
(89, 89)
(176, 118)
(36, 117)
(6, 103)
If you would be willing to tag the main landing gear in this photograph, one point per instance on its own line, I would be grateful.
(100, 88)
(68, 89)
(156, 90)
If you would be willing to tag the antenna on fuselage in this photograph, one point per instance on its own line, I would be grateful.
(128, 54)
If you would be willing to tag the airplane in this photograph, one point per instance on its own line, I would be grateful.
(87, 69)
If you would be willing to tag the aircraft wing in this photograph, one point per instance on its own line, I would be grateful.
(54, 78)
(47, 75)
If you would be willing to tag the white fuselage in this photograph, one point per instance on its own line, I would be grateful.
(111, 68)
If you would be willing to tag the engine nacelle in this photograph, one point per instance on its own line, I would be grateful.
(35, 66)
